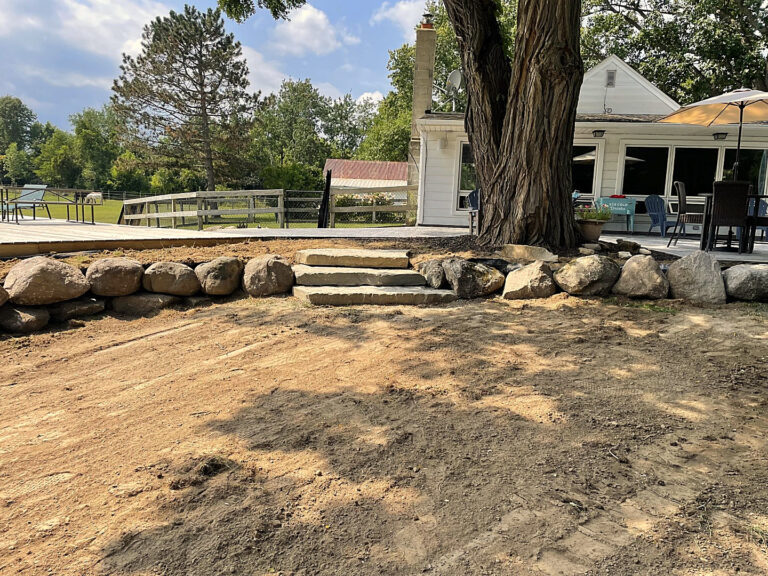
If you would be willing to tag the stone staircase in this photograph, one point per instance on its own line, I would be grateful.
(340, 277)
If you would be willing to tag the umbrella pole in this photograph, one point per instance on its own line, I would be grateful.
(738, 145)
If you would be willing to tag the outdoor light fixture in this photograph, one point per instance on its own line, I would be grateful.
(720, 135)
(598, 133)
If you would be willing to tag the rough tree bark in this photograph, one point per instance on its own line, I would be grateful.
(521, 117)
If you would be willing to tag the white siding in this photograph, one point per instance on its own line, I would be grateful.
(632, 94)
(441, 180)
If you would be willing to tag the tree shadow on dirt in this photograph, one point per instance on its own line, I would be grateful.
(424, 439)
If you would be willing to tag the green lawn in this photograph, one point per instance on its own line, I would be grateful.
(108, 213)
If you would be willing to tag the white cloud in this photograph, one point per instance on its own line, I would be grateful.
(404, 14)
(329, 90)
(310, 31)
(64, 79)
(106, 27)
(263, 75)
(374, 97)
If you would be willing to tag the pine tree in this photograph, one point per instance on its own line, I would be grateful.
(189, 83)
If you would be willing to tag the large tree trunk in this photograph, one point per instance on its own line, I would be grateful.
(521, 117)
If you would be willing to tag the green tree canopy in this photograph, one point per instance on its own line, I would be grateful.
(58, 163)
(189, 82)
(96, 144)
(17, 165)
(16, 120)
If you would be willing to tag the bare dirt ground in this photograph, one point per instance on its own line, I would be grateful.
(266, 437)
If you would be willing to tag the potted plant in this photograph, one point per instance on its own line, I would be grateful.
(591, 220)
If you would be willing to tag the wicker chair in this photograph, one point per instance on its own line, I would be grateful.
(730, 207)
(758, 220)
(683, 216)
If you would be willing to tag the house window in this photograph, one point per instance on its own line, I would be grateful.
(645, 171)
(467, 176)
(610, 79)
(696, 168)
(753, 167)
(584, 162)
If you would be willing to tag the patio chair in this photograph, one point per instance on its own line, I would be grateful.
(657, 211)
(758, 220)
(473, 200)
(683, 216)
(730, 207)
(31, 198)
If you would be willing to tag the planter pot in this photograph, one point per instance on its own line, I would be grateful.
(591, 229)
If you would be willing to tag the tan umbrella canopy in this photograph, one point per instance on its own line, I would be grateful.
(743, 106)
(591, 157)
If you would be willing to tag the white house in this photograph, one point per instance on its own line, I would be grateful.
(619, 149)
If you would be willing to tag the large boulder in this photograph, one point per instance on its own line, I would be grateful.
(433, 271)
(515, 252)
(171, 278)
(20, 320)
(40, 281)
(642, 277)
(697, 278)
(4, 297)
(588, 276)
(143, 304)
(747, 282)
(472, 280)
(115, 276)
(76, 309)
(268, 276)
(221, 277)
(532, 281)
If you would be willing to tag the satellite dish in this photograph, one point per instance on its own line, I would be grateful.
(456, 80)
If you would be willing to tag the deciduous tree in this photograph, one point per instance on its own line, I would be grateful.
(16, 120)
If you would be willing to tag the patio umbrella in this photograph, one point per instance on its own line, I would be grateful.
(743, 106)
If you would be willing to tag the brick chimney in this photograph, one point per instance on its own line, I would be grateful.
(423, 80)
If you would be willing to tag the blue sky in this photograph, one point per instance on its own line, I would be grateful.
(60, 56)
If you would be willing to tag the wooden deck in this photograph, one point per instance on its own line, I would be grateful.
(45, 236)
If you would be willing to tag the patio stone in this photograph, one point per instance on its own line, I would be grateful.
(374, 295)
(354, 258)
(642, 277)
(697, 278)
(747, 282)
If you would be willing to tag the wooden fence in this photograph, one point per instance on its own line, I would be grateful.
(243, 206)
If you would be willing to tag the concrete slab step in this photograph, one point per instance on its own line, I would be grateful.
(352, 258)
(340, 276)
(378, 295)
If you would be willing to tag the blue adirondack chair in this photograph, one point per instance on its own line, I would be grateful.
(657, 211)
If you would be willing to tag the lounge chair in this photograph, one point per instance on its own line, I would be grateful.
(31, 197)
(657, 211)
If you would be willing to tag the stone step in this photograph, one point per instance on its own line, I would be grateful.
(378, 295)
(341, 257)
(340, 276)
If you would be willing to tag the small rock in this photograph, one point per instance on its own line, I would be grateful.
(641, 277)
(697, 278)
(143, 304)
(76, 309)
(21, 320)
(198, 301)
(532, 281)
(645, 252)
(171, 278)
(588, 276)
(41, 281)
(747, 282)
(501, 265)
(625, 255)
(586, 251)
(433, 271)
(628, 246)
(115, 276)
(469, 280)
(593, 246)
(514, 252)
(268, 276)
(220, 277)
